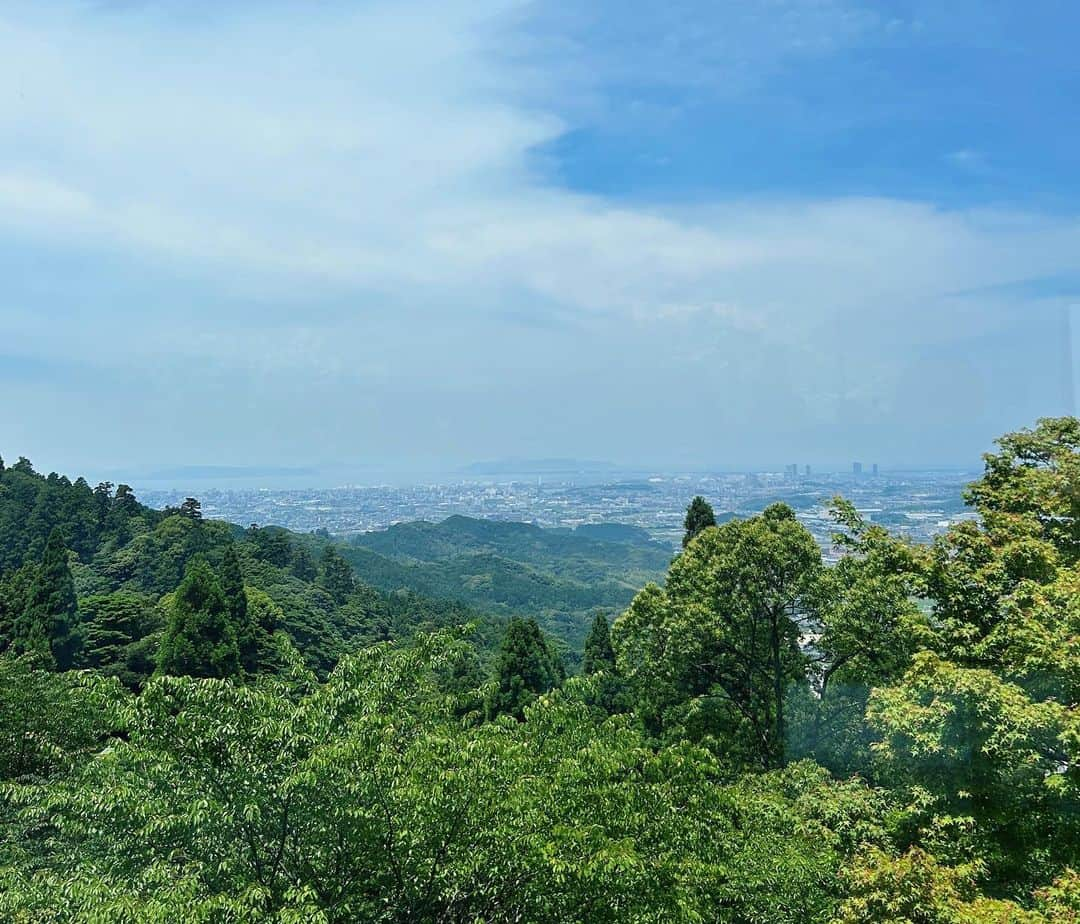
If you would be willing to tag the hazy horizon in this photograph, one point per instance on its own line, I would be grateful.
(195, 479)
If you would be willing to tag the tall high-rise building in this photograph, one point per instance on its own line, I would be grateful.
(806, 471)
(873, 468)
(856, 468)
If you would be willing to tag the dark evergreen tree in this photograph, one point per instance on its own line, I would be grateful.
(527, 667)
(232, 585)
(699, 516)
(200, 636)
(14, 592)
(46, 515)
(598, 654)
(49, 623)
(191, 508)
(337, 577)
(303, 565)
(123, 507)
(102, 501)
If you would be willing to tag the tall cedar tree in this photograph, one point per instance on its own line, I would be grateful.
(337, 576)
(201, 639)
(527, 667)
(303, 565)
(14, 592)
(232, 585)
(598, 655)
(49, 624)
(699, 516)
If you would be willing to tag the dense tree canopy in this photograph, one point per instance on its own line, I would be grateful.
(890, 739)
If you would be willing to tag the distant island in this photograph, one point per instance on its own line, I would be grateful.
(538, 467)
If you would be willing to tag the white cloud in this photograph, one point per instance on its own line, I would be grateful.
(386, 149)
(381, 156)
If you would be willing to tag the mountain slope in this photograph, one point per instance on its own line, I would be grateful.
(561, 576)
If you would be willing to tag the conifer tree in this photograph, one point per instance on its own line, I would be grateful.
(201, 638)
(527, 667)
(337, 576)
(303, 565)
(699, 516)
(598, 655)
(14, 592)
(232, 585)
(49, 623)
(191, 508)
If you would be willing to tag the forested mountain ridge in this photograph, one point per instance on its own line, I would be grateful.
(125, 556)
(763, 739)
(555, 549)
(559, 576)
(125, 559)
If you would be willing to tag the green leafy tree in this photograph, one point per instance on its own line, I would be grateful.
(271, 545)
(699, 517)
(368, 799)
(980, 732)
(118, 631)
(200, 638)
(717, 650)
(50, 722)
(49, 623)
(868, 626)
(1029, 487)
(527, 667)
(989, 769)
(916, 888)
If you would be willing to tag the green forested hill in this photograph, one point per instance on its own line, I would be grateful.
(584, 553)
(560, 576)
(126, 558)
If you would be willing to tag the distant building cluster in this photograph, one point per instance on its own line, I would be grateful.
(918, 504)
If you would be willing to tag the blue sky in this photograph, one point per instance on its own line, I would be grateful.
(415, 234)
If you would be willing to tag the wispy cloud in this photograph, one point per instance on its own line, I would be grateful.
(369, 173)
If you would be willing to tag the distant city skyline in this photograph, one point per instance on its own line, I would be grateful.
(203, 478)
(917, 504)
